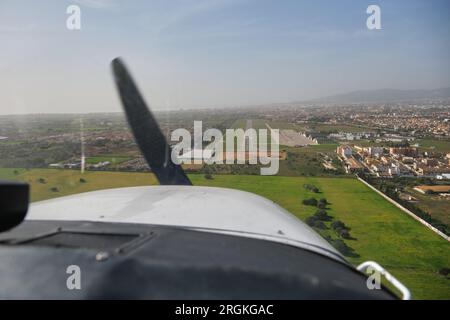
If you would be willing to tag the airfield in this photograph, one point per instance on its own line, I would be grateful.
(379, 231)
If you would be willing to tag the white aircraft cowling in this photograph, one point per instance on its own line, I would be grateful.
(216, 210)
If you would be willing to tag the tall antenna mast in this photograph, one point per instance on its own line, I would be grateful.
(83, 158)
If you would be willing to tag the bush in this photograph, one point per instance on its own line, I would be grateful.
(343, 233)
(320, 225)
(313, 222)
(341, 229)
(82, 180)
(337, 225)
(321, 205)
(54, 189)
(310, 202)
(311, 188)
(444, 271)
(208, 176)
(322, 215)
(41, 180)
(343, 248)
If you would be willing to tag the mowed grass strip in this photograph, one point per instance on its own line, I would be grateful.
(383, 233)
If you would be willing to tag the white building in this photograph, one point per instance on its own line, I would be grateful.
(56, 165)
(376, 151)
(394, 171)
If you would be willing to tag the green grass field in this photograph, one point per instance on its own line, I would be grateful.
(330, 128)
(424, 144)
(68, 181)
(329, 148)
(433, 145)
(383, 233)
(307, 161)
(435, 205)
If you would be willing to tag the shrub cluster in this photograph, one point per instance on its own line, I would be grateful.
(311, 188)
(341, 229)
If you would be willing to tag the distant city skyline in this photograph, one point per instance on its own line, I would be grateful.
(215, 53)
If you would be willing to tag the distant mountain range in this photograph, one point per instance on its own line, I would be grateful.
(386, 95)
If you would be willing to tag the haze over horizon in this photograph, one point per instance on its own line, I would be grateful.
(210, 53)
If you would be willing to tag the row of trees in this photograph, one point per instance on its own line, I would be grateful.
(321, 203)
(320, 219)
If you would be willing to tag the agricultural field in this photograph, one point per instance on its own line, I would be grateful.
(433, 145)
(335, 128)
(329, 148)
(307, 161)
(304, 161)
(435, 205)
(380, 231)
(66, 182)
(424, 144)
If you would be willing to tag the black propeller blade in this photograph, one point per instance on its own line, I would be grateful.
(146, 131)
(14, 198)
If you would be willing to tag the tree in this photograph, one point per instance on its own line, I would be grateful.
(322, 204)
(444, 271)
(338, 224)
(313, 222)
(322, 215)
(310, 221)
(341, 229)
(319, 225)
(343, 233)
(310, 202)
(311, 188)
(343, 248)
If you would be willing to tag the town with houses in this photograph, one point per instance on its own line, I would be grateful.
(394, 161)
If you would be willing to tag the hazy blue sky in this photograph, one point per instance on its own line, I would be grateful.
(216, 52)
